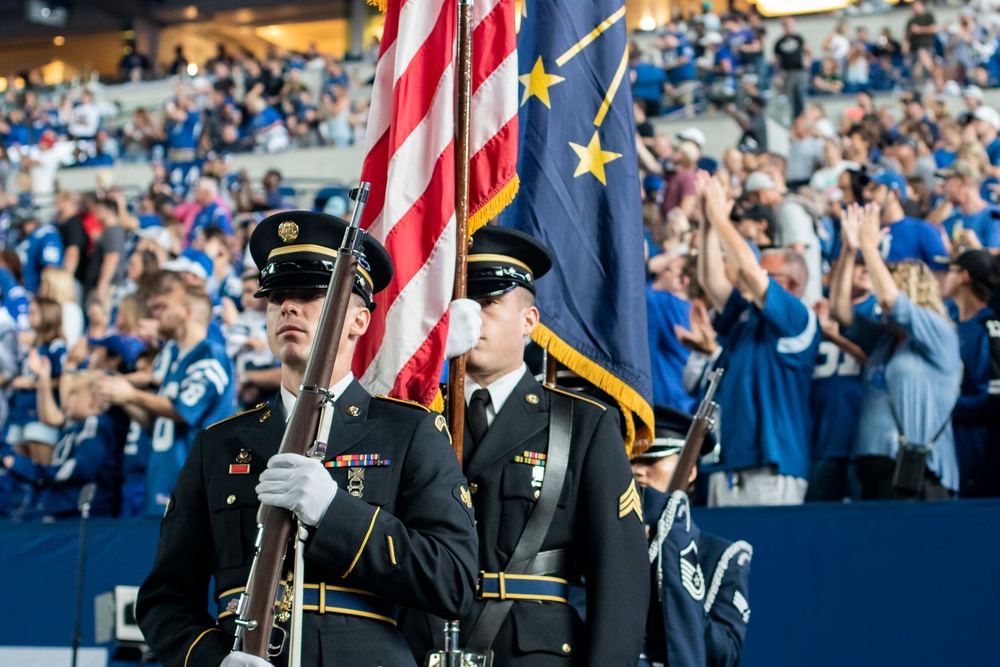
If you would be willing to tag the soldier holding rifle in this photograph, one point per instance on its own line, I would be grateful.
(388, 513)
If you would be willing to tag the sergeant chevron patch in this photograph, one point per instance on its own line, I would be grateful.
(630, 502)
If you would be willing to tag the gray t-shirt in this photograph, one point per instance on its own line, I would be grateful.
(794, 224)
(111, 240)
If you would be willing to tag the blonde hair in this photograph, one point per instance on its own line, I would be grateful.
(60, 284)
(918, 283)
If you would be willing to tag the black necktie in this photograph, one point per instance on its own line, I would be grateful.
(476, 415)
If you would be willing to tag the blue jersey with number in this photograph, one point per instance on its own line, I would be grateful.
(87, 451)
(24, 402)
(43, 247)
(183, 176)
(212, 215)
(836, 395)
(911, 238)
(769, 354)
(138, 445)
(200, 385)
(184, 134)
(15, 299)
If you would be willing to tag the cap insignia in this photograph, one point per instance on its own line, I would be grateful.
(288, 231)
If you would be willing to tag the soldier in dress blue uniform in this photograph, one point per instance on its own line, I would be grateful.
(388, 511)
(596, 536)
(699, 608)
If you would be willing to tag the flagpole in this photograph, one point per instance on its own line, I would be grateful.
(456, 366)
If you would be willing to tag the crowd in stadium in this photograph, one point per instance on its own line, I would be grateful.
(846, 286)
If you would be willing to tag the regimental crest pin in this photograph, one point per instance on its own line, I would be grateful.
(692, 578)
(288, 231)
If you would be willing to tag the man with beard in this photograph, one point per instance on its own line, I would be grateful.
(903, 237)
(197, 390)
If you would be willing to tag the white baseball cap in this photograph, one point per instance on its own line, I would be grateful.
(694, 135)
(988, 115)
(975, 92)
(758, 181)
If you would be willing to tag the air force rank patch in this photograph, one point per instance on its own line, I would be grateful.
(742, 606)
(691, 577)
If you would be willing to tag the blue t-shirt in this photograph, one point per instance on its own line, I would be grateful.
(212, 215)
(667, 356)
(648, 84)
(185, 134)
(944, 158)
(200, 385)
(974, 421)
(24, 402)
(18, 134)
(984, 223)
(911, 238)
(15, 300)
(769, 354)
(685, 71)
(87, 451)
(993, 152)
(264, 120)
(43, 247)
(836, 396)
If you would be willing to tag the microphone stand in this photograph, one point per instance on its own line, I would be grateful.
(84, 503)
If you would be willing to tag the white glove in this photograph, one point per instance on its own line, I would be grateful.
(238, 659)
(464, 327)
(297, 483)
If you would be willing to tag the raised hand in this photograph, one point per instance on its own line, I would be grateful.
(701, 337)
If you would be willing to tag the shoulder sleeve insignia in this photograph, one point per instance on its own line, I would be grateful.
(412, 404)
(571, 394)
(259, 406)
(464, 497)
(440, 423)
(630, 502)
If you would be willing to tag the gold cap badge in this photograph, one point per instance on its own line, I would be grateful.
(288, 231)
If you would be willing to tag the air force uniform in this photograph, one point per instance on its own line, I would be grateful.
(399, 530)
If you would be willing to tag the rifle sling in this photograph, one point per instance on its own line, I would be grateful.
(485, 630)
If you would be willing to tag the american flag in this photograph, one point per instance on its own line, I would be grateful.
(410, 162)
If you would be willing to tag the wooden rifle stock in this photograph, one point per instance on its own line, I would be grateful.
(260, 604)
(703, 420)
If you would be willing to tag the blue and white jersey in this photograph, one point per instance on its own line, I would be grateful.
(24, 402)
(87, 451)
(993, 152)
(911, 238)
(769, 354)
(837, 390)
(43, 247)
(161, 365)
(680, 72)
(15, 300)
(232, 287)
(200, 385)
(138, 446)
(212, 215)
(186, 134)
(984, 223)
(183, 176)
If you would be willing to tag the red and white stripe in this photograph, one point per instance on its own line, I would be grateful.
(410, 162)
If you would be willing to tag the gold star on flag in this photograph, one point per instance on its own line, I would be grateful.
(593, 159)
(537, 83)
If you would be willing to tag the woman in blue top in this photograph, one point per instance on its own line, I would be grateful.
(25, 432)
(913, 368)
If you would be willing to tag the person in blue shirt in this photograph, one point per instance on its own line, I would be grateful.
(14, 299)
(904, 237)
(974, 222)
(986, 125)
(700, 605)
(913, 372)
(719, 72)
(212, 214)
(198, 389)
(25, 431)
(183, 127)
(87, 451)
(836, 396)
(647, 81)
(138, 447)
(667, 307)
(41, 246)
(970, 283)
(770, 342)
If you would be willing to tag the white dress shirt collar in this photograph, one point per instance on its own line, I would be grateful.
(500, 390)
(288, 398)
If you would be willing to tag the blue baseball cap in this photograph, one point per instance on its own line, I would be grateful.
(191, 261)
(890, 179)
(126, 347)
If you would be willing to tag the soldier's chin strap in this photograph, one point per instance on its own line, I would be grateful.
(530, 543)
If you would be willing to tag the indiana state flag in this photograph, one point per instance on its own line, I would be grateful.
(580, 196)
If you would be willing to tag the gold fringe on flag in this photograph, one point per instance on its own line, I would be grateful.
(637, 440)
(382, 5)
(497, 203)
